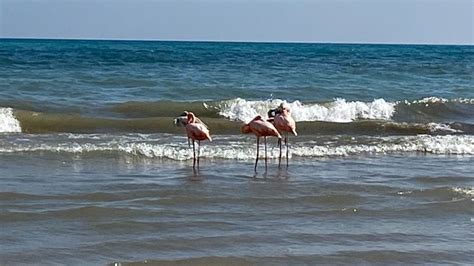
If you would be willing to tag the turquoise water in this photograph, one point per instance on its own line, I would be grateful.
(93, 170)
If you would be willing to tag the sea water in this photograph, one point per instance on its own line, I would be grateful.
(93, 170)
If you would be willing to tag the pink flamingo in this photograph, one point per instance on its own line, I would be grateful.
(182, 121)
(284, 123)
(196, 131)
(261, 128)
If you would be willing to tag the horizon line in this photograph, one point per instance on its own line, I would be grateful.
(228, 41)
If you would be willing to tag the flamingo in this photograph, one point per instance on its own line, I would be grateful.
(284, 123)
(196, 131)
(261, 128)
(182, 121)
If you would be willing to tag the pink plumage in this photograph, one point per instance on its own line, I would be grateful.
(260, 128)
(196, 131)
(284, 123)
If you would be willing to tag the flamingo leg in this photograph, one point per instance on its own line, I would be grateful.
(194, 155)
(287, 151)
(199, 151)
(265, 142)
(256, 160)
(279, 157)
(189, 143)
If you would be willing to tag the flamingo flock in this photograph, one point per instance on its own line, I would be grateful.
(279, 122)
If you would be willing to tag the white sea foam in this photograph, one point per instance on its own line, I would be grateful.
(423, 143)
(431, 100)
(438, 127)
(8, 122)
(339, 110)
(467, 191)
(244, 148)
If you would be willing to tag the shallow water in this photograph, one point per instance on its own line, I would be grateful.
(73, 209)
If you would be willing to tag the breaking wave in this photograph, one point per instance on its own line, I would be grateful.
(430, 109)
(239, 147)
(339, 110)
(426, 116)
(8, 122)
(466, 191)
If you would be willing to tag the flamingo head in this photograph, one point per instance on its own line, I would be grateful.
(182, 120)
(273, 112)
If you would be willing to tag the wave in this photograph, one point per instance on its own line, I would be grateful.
(428, 100)
(444, 193)
(35, 122)
(337, 111)
(426, 116)
(238, 147)
(135, 109)
(207, 260)
(422, 143)
(465, 191)
(433, 109)
(8, 122)
(430, 109)
(70, 213)
(426, 110)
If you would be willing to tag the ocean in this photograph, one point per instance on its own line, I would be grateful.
(94, 171)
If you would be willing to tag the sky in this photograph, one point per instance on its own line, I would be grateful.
(327, 21)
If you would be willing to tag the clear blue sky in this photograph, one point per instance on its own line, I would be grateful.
(366, 21)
